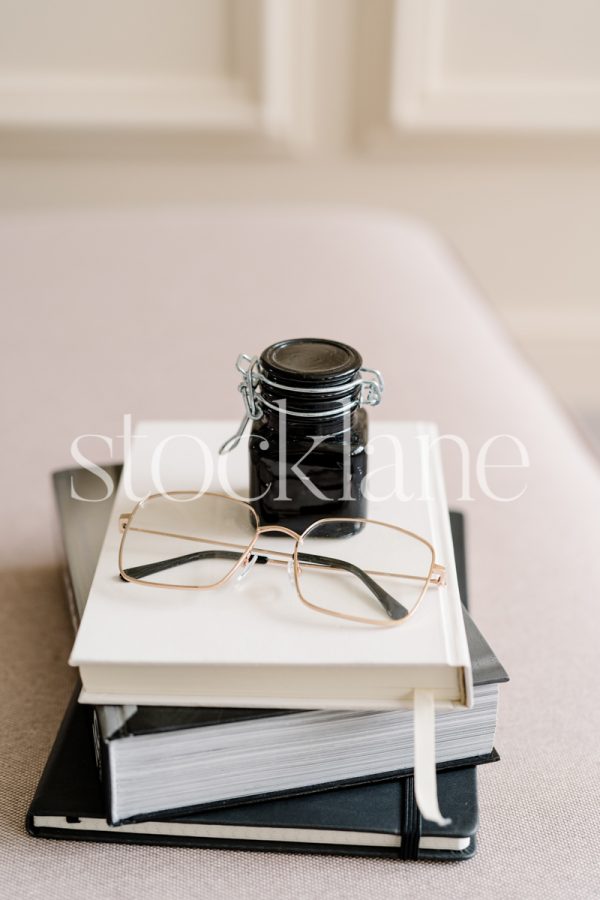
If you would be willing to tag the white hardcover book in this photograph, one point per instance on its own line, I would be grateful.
(252, 642)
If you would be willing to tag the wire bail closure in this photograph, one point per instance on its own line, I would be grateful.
(254, 403)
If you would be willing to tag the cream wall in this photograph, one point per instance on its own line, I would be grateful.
(481, 117)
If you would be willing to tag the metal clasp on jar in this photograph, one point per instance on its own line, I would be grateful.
(252, 377)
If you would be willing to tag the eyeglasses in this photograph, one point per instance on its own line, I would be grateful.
(376, 575)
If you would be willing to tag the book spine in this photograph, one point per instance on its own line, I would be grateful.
(63, 556)
(61, 738)
(70, 595)
(102, 756)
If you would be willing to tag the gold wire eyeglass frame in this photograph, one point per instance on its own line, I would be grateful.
(435, 577)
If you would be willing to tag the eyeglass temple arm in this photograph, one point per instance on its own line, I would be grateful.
(393, 608)
(138, 572)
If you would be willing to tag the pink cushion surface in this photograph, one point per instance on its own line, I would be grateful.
(108, 313)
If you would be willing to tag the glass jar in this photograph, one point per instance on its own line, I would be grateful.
(307, 446)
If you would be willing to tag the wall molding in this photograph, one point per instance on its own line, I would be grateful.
(422, 99)
(224, 105)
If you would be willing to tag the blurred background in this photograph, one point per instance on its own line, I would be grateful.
(480, 117)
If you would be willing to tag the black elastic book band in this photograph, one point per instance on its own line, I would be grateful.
(410, 821)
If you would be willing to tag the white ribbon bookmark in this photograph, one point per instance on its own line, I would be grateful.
(425, 776)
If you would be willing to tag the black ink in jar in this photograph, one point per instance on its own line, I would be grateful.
(307, 447)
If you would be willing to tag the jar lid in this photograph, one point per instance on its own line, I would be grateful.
(329, 374)
(310, 360)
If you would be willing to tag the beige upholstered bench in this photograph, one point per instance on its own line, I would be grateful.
(109, 313)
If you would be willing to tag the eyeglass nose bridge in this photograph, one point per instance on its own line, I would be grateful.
(252, 556)
(281, 529)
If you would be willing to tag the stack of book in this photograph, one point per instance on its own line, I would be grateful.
(236, 721)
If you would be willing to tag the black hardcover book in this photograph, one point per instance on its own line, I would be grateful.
(378, 819)
(126, 736)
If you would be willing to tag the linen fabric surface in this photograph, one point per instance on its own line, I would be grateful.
(112, 312)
